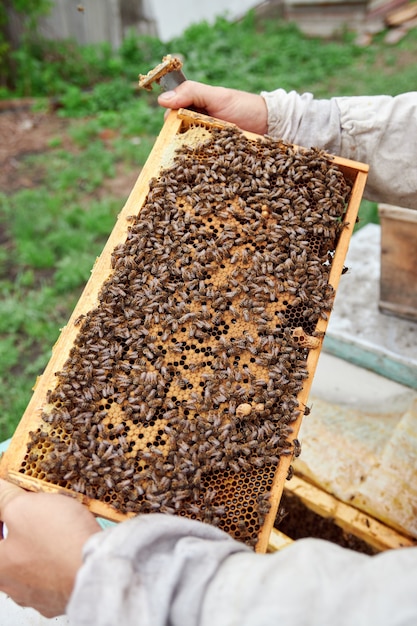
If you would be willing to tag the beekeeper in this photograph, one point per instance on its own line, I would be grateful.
(161, 570)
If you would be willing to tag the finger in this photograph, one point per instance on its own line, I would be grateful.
(8, 492)
(186, 94)
(169, 100)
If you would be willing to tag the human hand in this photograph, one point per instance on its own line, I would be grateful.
(246, 110)
(42, 553)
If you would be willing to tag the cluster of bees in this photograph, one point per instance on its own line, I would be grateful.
(180, 391)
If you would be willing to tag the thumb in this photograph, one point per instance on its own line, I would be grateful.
(8, 492)
(172, 100)
(186, 94)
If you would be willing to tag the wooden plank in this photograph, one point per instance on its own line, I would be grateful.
(398, 282)
(400, 16)
(278, 541)
(371, 357)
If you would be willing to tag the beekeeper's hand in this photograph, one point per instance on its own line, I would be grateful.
(42, 552)
(246, 110)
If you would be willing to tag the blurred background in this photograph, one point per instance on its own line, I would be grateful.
(75, 131)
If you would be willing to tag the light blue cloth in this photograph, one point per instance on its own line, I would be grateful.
(105, 523)
(4, 445)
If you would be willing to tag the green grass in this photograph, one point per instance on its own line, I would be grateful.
(53, 232)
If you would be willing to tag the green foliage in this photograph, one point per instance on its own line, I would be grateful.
(368, 214)
(32, 9)
(53, 235)
(52, 68)
(253, 56)
(42, 67)
(137, 53)
(248, 55)
(72, 270)
(135, 151)
(105, 96)
(29, 12)
(379, 69)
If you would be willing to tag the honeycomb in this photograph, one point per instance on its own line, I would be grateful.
(181, 390)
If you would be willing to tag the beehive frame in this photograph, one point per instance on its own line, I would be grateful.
(243, 486)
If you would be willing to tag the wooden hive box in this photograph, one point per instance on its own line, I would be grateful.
(308, 510)
(179, 383)
(398, 281)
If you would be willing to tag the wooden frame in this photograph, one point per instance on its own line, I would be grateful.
(355, 172)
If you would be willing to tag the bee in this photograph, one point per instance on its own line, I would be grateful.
(296, 447)
(79, 319)
(79, 486)
(307, 410)
(290, 473)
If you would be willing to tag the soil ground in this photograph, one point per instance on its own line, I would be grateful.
(24, 132)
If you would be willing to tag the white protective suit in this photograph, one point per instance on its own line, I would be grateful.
(378, 130)
(158, 570)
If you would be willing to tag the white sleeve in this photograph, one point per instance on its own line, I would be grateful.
(158, 570)
(378, 130)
